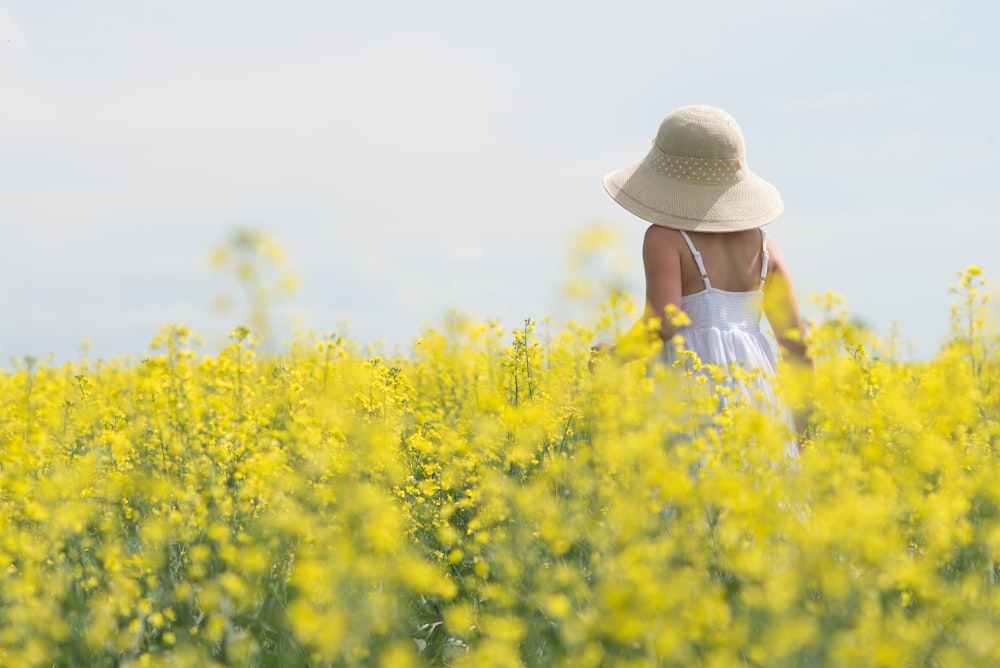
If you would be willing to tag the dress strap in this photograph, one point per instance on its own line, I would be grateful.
(763, 260)
(697, 259)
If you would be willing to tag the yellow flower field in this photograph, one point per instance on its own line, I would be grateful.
(481, 499)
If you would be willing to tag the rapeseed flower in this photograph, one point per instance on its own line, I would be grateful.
(482, 499)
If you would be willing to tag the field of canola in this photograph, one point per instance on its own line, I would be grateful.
(483, 500)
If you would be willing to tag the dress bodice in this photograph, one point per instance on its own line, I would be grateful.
(724, 330)
(724, 310)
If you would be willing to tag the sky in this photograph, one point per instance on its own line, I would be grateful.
(414, 158)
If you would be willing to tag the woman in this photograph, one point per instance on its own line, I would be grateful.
(706, 255)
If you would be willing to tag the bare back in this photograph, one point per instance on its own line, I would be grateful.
(732, 260)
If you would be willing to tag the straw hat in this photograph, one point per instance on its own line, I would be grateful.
(696, 177)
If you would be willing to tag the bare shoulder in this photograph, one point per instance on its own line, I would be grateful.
(659, 237)
(776, 259)
(775, 256)
(661, 246)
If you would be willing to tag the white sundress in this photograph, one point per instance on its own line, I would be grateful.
(725, 331)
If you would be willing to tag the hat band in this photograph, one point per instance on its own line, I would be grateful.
(698, 170)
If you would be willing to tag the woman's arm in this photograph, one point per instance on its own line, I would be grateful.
(782, 309)
(662, 266)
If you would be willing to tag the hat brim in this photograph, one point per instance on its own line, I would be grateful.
(662, 200)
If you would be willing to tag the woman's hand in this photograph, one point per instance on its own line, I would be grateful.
(598, 353)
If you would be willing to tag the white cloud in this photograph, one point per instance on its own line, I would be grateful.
(13, 43)
(899, 149)
(403, 287)
(927, 12)
(850, 99)
(967, 43)
(464, 253)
